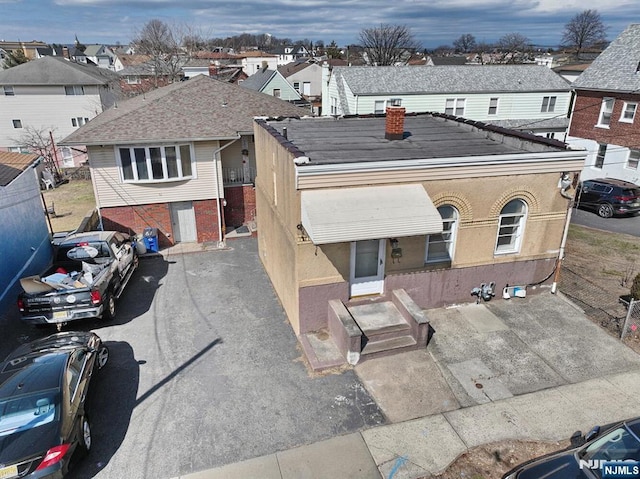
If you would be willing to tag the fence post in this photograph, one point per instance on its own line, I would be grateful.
(630, 317)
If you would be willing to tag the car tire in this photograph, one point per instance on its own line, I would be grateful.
(605, 210)
(102, 357)
(85, 440)
(109, 307)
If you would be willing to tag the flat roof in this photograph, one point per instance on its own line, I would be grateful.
(330, 140)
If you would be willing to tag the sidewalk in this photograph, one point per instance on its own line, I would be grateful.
(428, 445)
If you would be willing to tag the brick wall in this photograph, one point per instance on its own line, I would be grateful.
(207, 220)
(587, 111)
(134, 219)
(241, 204)
(394, 125)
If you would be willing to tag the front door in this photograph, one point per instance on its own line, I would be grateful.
(367, 267)
(183, 221)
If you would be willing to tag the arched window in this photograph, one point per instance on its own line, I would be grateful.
(511, 227)
(440, 247)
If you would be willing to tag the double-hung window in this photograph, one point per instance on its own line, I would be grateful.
(606, 109)
(8, 91)
(155, 163)
(378, 107)
(633, 159)
(548, 104)
(511, 227)
(602, 152)
(440, 246)
(628, 112)
(493, 106)
(454, 106)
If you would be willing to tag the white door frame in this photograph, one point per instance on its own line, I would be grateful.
(373, 284)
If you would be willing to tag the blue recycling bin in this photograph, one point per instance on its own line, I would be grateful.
(150, 239)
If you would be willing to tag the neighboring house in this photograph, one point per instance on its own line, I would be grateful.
(50, 51)
(445, 60)
(123, 60)
(290, 53)
(196, 66)
(306, 78)
(571, 71)
(605, 118)
(253, 62)
(52, 96)
(528, 98)
(271, 82)
(176, 157)
(416, 210)
(29, 48)
(101, 56)
(25, 244)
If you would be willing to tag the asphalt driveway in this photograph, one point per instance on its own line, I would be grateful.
(205, 371)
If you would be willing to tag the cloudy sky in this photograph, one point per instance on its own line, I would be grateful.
(433, 22)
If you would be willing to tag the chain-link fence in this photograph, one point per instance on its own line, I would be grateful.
(632, 321)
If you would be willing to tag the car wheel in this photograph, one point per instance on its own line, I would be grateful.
(110, 307)
(85, 435)
(102, 357)
(605, 210)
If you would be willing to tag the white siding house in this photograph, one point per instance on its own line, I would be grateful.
(52, 94)
(524, 97)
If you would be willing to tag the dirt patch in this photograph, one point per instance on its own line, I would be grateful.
(71, 202)
(492, 461)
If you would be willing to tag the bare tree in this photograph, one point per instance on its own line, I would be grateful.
(584, 30)
(465, 43)
(388, 44)
(514, 47)
(163, 45)
(39, 141)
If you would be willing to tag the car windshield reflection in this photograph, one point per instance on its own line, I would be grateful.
(27, 412)
(618, 445)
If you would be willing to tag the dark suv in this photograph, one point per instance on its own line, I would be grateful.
(609, 197)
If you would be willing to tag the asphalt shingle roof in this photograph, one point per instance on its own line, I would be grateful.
(259, 79)
(616, 68)
(450, 79)
(13, 164)
(198, 109)
(55, 71)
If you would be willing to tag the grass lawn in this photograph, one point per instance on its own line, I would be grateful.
(72, 202)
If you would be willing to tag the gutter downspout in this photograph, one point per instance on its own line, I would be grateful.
(563, 243)
(219, 189)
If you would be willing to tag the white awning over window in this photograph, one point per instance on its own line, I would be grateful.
(352, 214)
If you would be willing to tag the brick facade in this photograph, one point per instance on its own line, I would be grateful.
(241, 204)
(585, 116)
(134, 219)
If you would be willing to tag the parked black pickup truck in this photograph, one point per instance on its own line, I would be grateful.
(89, 272)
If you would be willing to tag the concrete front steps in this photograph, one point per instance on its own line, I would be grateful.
(363, 331)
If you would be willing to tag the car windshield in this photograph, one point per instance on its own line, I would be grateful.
(618, 445)
(25, 412)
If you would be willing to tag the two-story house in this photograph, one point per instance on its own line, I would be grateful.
(306, 79)
(527, 98)
(380, 217)
(290, 53)
(53, 97)
(605, 111)
(254, 61)
(179, 158)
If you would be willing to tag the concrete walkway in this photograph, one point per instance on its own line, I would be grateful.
(426, 446)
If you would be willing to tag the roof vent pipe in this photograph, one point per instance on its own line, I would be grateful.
(394, 127)
(284, 132)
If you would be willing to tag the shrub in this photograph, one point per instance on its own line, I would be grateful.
(635, 287)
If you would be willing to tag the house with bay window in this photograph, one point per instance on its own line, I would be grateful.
(605, 118)
(180, 159)
(529, 98)
(51, 97)
(364, 218)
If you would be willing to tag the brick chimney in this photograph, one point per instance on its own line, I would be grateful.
(394, 128)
